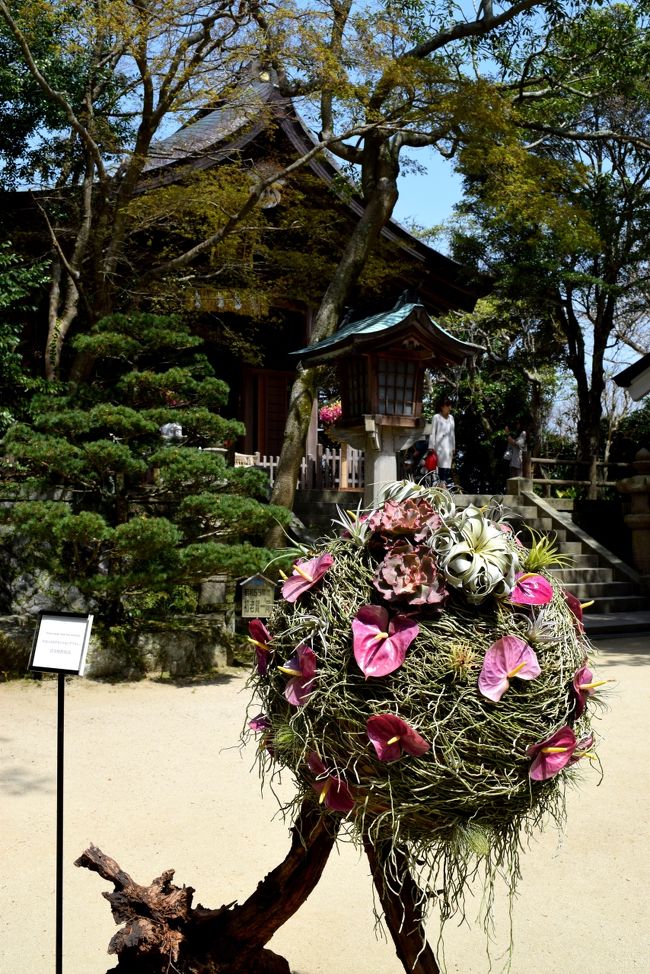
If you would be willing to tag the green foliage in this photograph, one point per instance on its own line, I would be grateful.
(132, 524)
(513, 383)
(564, 223)
(543, 553)
(35, 141)
(18, 281)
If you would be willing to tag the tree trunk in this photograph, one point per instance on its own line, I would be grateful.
(400, 901)
(378, 210)
(163, 932)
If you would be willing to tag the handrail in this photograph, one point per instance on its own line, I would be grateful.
(569, 461)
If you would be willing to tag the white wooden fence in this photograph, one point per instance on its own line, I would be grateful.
(329, 469)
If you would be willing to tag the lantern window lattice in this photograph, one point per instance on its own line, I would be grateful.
(396, 381)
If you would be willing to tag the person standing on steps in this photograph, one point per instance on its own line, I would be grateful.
(443, 440)
(516, 449)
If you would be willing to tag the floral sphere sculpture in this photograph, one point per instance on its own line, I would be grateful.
(426, 677)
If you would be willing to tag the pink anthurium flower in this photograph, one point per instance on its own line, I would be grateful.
(305, 574)
(259, 723)
(379, 646)
(553, 754)
(531, 589)
(584, 686)
(260, 637)
(508, 657)
(390, 736)
(333, 791)
(302, 670)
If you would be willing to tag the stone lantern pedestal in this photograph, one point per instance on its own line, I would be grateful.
(638, 519)
(380, 441)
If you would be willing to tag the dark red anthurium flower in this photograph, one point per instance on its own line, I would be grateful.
(302, 670)
(551, 755)
(333, 791)
(576, 607)
(584, 686)
(391, 737)
(260, 637)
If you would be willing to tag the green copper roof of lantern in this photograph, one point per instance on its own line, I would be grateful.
(407, 319)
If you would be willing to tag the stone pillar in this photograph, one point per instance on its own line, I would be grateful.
(638, 519)
(382, 445)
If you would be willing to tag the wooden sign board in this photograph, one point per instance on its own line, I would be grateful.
(61, 643)
(257, 597)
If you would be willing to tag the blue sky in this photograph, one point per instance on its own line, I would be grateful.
(428, 199)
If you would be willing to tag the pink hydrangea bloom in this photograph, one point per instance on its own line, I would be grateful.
(379, 645)
(334, 791)
(508, 657)
(391, 736)
(305, 575)
(330, 414)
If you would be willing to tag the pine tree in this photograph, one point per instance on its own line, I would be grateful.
(118, 499)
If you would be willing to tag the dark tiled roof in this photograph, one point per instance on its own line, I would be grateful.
(245, 111)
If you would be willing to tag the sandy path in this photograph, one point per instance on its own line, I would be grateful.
(154, 777)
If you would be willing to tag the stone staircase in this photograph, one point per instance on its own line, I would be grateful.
(620, 605)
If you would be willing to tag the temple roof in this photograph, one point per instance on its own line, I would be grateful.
(220, 134)
(407, 322)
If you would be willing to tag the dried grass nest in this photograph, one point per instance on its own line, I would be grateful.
(467, 583)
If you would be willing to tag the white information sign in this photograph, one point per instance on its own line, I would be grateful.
(61, 642)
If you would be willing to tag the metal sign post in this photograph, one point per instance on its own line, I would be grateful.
(60, 646)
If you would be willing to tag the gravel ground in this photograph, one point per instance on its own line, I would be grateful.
(155, 778)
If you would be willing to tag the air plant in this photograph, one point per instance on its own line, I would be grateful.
(476, 556)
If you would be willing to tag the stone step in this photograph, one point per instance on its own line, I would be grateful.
(579, 560)
(573, 548)
(560, 503)
(588, 575)
(523, 521)
(586, 591)
(619, 603)
(622, 623)
(558, 534)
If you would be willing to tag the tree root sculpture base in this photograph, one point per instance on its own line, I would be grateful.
(163, 933)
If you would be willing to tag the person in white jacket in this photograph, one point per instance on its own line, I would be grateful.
(443, 440)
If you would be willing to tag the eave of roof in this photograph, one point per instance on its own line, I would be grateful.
(636, 378)
(371, 331)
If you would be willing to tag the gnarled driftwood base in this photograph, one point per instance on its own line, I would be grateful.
(163, 933)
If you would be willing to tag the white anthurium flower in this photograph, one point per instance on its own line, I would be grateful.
(475, 555)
